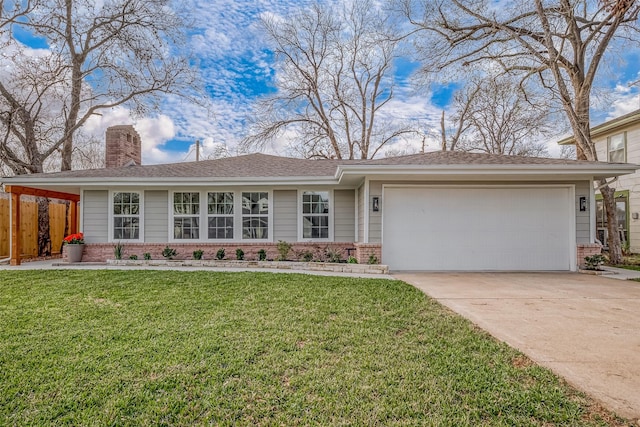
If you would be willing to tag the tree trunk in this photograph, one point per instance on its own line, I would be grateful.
(44, 237)
(615, 248)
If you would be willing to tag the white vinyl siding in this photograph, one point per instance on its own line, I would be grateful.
(156, 216)
(285, 215)
(361, 208)
(344, 216)
(375, 218)
(95, 216)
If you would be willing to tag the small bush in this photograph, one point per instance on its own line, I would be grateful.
(594, 262)
(169, 253)
(134, 257)
(307, 256)
(220, 254)
(197, 254)
(262, 255)
(372, 259)
(283, 250)
(352, 260)
(239, 254)
(118, 250)
(147, 256)
(333, 255)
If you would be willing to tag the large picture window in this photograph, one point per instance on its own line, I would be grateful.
(255, 215)
(126, 216)
(186, 215)
(220, 215)
(617, 145)
(315, 215)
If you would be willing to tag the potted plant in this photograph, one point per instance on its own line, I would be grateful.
(75, 247)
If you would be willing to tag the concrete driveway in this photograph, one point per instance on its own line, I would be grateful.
(585, 328)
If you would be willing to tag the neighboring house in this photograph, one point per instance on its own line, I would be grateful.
(618, 140)
(432, 211)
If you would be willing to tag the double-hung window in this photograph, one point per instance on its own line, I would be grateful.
(255, 215)
(220, 215)
(616, 146)
(126, 215)
(315, 215)
(186, 215)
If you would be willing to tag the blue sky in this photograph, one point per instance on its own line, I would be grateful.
(237, 68)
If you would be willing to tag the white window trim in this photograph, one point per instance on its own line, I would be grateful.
(237, 215)
(624, 145)
(140, 215)
(172, 216)
(269, 216)
(207, 215)
(301, 216)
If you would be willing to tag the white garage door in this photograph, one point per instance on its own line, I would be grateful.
(478, 228)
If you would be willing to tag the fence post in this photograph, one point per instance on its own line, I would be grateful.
(15, 229)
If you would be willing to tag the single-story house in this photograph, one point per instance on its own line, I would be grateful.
(430, 211)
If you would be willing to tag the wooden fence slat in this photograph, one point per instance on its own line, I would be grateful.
(29, 226)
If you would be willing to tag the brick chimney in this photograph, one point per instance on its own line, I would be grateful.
(123, 147)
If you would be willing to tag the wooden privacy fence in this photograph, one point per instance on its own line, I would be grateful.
(29, 225)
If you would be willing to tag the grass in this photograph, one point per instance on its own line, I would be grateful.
(184, 348)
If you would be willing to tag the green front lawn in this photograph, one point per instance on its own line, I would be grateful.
(183, 348)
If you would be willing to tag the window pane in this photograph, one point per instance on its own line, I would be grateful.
(255, 203)
(186, 228)
(315, 227)
(616, 142)
(220, 228)
(616, 156)
(255, 228)
(186, 203)
(126, 227)
(220, 203)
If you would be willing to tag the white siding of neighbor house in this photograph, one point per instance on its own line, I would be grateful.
(344, 216)
(156, 215)
(582, 218)
(627, 182)
(361, 207)
(95, 216)
(285, 215)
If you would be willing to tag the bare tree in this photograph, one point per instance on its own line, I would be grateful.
(100, 55)
(561, 43)
(494, 116)
(334, 79)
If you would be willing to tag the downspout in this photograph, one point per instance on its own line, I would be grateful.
(4, 260)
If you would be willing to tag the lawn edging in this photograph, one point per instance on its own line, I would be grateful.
(278, 265)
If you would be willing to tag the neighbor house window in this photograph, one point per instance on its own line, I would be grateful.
(315, 215)
(220, 215)
(255, 215)
(186, 215)
(617, 145)
(126, 216)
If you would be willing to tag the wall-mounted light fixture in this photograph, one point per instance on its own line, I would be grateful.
(375, 204)
(583, 203)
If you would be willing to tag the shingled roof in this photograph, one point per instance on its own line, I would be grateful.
(267, 166)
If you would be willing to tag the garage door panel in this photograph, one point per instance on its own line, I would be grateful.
(477, 228)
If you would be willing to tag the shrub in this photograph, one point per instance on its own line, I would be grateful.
(594, 262)
(332, 255)
(307, 256)
(239, 254)
(220, 254)
(262, 255)
(352, 260)
(134, 257)
(118, 250)
(169, 253)
(197, 254)
(147, 256)
(372, 259)
(283, 250)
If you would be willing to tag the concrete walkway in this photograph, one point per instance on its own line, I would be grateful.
(585, 328)
(56, 264)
